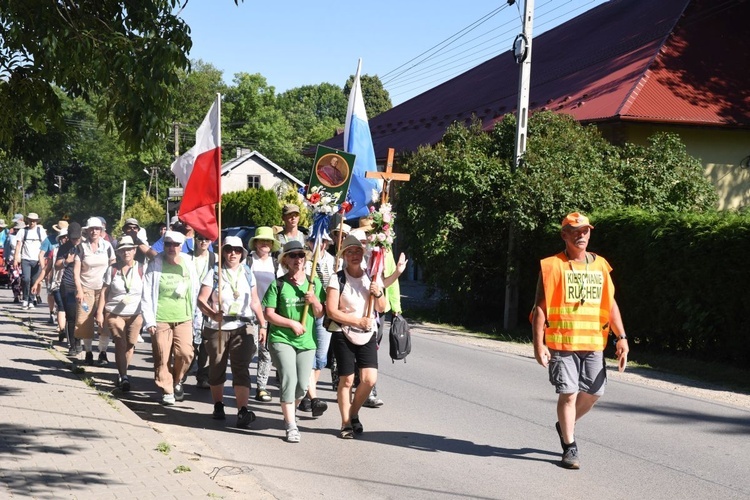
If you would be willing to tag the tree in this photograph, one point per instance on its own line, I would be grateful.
(375, 96)
(254, 122)
(462, 196)
(122, 57)
(254, 207)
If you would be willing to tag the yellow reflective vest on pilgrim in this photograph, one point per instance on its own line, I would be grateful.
(579, 299)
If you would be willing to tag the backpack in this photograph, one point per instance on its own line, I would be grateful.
(399, 338)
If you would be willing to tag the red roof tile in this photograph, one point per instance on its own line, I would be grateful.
(660, 61)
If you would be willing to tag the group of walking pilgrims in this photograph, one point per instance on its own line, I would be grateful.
(123, 288)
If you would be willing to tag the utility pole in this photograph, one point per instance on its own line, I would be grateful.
(522, 54)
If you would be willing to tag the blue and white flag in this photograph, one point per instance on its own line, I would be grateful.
(358, 141)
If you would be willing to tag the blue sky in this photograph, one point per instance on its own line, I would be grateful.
(295, 43)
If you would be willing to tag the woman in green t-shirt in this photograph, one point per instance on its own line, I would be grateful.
(292, 343)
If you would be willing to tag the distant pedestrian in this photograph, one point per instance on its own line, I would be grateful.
(29, 256)
(291, 232)
(65, 263)
(574, 310)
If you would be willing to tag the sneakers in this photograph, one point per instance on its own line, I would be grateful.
(219, 411)
(263, 396)
(25, 305)
(179, 392)
(318, 407)
(102, 361)
(202, 384)
(168, 399)
(244, 418)
(292, 435)
(89, 359)
(124, 383)
(305, 405)
(373, 402)
(570, 458)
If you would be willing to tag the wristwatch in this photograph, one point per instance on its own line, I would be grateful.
(379, 295)
(621, 336)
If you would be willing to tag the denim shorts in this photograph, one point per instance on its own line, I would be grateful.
(578, 371)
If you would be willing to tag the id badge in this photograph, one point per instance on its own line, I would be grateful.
(181, 289)
(234, 309)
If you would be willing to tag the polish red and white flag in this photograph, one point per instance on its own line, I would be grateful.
(199, 172)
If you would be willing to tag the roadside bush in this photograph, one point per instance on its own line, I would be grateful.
(252, 207)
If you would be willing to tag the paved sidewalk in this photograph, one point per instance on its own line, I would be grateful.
(61, 438)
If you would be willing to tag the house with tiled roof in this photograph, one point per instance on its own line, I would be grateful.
(632, 67)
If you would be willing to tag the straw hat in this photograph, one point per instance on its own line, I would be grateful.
(125, 243)
(63, 224)
(350, 241)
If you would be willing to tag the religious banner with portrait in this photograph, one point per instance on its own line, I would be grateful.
(331, 173)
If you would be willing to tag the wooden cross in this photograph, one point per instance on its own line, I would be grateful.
(387, 176)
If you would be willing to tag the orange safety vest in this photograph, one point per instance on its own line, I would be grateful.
(579, 299)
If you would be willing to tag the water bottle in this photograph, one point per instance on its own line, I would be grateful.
(85, 306)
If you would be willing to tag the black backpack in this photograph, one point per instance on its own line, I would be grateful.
(399, 338)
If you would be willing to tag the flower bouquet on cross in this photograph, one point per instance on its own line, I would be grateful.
(380, 236)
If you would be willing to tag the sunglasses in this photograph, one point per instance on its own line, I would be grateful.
(296, 255)
(172, 244)
(128, 228)
(201, 240)
(233, 250)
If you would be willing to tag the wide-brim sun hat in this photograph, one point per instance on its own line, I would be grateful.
(3, 224)
(93, 222)
(32, 216)
(63, 232)
(351, 241)
(63, 224)
(264, 233)
(291, 246)
(125, 243)
(234, 242)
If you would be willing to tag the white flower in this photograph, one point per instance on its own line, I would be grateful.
(371, 238)
(389, 240)
(381, 237)
(387, 217)
(326, 200)
(375, 195)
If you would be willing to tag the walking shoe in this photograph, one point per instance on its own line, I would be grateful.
(305, 405)
(263, 396)
(202, 384)
(72, 352)
(167, 399)
(244, 418)
(219, 411)
(318, 407)
(102, 361)
(179, 392)
(25, 305)
(61, 336)
(124, 383)
(570, 458)
(89, 359)
(373, 402)
(292, 435)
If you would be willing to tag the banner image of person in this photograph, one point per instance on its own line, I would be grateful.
(332, 170)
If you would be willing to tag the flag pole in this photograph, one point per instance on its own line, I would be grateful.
(218, 222)
(311, 286)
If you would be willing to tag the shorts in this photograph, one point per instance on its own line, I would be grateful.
(350, 356)
(234, 347)
(578, 371)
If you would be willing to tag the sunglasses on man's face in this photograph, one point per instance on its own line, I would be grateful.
(296, 255)
(131, 228)
(172, 244)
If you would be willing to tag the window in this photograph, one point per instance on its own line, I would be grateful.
(253, 181)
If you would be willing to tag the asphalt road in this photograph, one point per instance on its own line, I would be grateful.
(464, 420)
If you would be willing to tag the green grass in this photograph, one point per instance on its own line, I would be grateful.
(164, 448)
(181, 468)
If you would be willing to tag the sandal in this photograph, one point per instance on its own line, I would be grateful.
(346, 432)
(357, 425)
(263, 395)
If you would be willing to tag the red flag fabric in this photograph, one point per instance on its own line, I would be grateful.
(199, 172)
